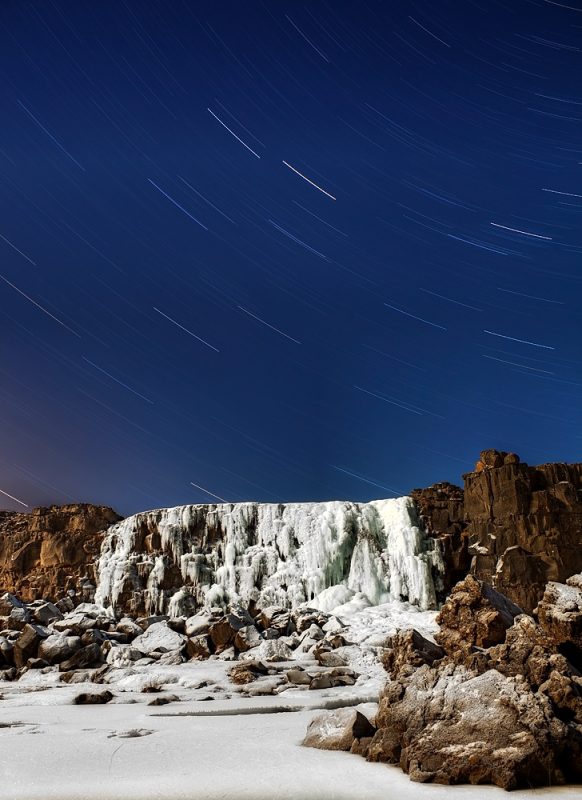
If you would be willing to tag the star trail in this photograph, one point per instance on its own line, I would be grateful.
(293, 251)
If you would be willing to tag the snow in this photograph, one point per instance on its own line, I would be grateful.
(187, 751)
(275, 554)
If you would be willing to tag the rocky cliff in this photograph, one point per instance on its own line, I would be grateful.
(47, 552)
(514, 526)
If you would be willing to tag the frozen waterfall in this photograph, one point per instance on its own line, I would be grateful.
(275, 554)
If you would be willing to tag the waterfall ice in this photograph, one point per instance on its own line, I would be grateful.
(274, 554)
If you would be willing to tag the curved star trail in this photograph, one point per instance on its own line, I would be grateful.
(295, 253)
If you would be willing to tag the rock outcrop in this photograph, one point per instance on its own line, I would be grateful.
(500, 701)
(442, 513)
(514, 526)
(524, 524)
(52, 550)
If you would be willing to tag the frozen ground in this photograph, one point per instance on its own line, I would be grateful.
(50, 750)
(213, 740)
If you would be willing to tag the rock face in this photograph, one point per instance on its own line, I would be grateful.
(474, 615)
(524, 524)
(514, 526)
(442, 514)
(500, 702)
(50, 550)
(452, 726)
(174, 560)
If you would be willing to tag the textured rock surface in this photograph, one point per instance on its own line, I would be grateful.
(47, 552)
(442, 513)
(514, 526)
(524, 524)
(503, 705)
(474, 615)
(453, 726)
(338, 729)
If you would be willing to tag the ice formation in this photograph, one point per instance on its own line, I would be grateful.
(178, 559)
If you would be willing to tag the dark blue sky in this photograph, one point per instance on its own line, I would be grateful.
(285, 251)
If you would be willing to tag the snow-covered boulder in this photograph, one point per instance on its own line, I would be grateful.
(160, 638)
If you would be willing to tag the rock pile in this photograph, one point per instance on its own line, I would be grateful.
(498, 698)
(83, 641)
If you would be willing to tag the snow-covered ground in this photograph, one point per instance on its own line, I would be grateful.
(214, 739)
(51, 750)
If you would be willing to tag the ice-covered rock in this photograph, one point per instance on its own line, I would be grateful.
(273, 554)
(159, 637)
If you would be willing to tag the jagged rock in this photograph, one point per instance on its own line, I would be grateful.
(560, 613)
(407, 650)
(524, 524)
(18, 618)
(172, 658)
(442, 514)
(247, 672)
(26, 646)
(85, 657)
(221, 633)
(145, 622)
(277, 619)
(159, 637)
(50, 550)
(76, 622)
(122, 655)
(452, 726)
(330, 659)
(474, 615)
(6, 651)
(36, 663)
(45, 613)
(304, 618)
(8, 601)
(246, 638)
(338, 729)
(198, 647)
(58, 647)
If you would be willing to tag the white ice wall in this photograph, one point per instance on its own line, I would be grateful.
(275, 554)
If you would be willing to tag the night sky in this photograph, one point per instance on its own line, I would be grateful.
(285, 251)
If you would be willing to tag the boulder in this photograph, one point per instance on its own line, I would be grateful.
(27, 644)
(128, 627)
(272, 650)
(246, 638)
(407, 650)
(453, 726)
(85, 657)
(247, 672)
(221, 633)
(93, 698)
(338, 729)
(474, 615)
(277, 619)
(198, 624)
(45, 613)
(159, 637)
(560, 612)
(198, 647)
(58, 647)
